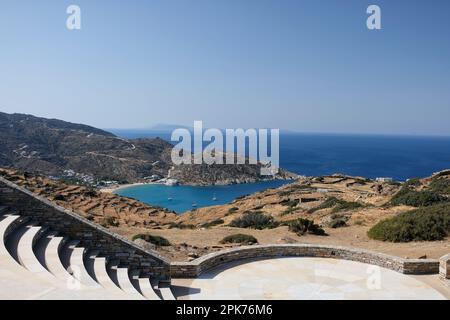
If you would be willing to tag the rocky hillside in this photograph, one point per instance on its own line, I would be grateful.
(58, 148)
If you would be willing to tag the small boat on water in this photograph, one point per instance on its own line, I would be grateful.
(169, 199)
(194, 205)
(214, 197)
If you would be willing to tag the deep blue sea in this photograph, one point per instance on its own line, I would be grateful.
(371, 156)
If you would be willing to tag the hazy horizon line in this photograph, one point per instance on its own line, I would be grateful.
(291, 131)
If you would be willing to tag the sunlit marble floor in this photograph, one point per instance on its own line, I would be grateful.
(304, 279)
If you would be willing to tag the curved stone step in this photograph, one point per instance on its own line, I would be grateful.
(16, 236)
(154, 283)
(166, 292)
(146, 289)
(25, 251)
(125, 283)
(65, 251)
(41, 247)
(77, 268)
(14, 276)
(102, 275)
(29, 238)
(6, 224)
(53, 261)
(89, 261)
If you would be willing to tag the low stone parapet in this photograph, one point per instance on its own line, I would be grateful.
(407, 266)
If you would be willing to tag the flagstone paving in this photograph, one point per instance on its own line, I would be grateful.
(308, 278)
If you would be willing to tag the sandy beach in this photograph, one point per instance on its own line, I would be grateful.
(114, 188)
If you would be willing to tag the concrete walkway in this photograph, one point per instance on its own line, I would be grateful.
(305, 279)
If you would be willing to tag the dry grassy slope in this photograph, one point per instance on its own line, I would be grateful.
(133, 217)
(311, 193)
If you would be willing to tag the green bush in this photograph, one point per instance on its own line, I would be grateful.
(413, 198)
(413, 182)
(239, 238)
(440, 185)
(233, 210)
(337, 222)
(290, 203)
(254, 220)
(212, 223)
(156, 240)
(423, 224)
(60, 197)
(289, 210)
(328, 203)
(181, 225)
(337, 205)
(90, 193)
(345, 205)
(109, 222)
(302, 226)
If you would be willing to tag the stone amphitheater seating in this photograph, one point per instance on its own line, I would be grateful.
(39, 261)
(32, 267)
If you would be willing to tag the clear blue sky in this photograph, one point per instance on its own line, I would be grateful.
(303, 65)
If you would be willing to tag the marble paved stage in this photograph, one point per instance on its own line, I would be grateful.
(307, 278)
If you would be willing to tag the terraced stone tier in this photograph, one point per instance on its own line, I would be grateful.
(78, 269)
(125, 283)
(48, 252)
(53, 260)
(102, 275)
(146, 289)
(32, 267)
(166, 291)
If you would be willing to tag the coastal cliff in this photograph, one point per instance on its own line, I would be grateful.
(204, 175)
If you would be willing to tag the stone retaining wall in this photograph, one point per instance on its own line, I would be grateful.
(444, 268)
(92, 236)
(407, 266)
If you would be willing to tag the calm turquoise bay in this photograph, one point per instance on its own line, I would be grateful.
(184, 198)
